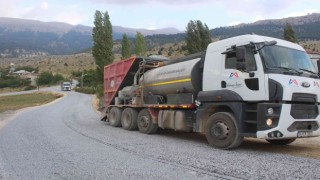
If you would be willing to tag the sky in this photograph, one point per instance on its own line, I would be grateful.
(155, 14)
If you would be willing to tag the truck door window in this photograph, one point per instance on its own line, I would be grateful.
(231, 60)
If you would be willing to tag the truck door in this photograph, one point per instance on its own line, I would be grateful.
(248, 83)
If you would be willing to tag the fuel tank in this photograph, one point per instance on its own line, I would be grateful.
(182, 77)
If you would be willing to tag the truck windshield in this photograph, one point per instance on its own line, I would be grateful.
(278, 57)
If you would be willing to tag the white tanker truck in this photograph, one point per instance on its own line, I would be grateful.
(245, 86)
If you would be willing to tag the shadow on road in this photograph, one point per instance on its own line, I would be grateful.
(301, 147)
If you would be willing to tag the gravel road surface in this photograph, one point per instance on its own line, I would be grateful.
(66, 140)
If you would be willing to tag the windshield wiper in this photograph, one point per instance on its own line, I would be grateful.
(306, 70)
(289, 69)
(313, 73)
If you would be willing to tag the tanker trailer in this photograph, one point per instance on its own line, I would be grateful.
(245, 86)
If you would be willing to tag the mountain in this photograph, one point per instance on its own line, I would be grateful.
(306, 28)
(20, 37)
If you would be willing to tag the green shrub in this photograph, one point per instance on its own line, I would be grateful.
(86, 90)
(28, 88)
(99, 91)
(45, 78)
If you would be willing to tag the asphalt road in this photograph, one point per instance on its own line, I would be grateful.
(66, 140)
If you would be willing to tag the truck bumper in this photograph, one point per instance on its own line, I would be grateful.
(284, 125)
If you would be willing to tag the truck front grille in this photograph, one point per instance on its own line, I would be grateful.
(307, 109)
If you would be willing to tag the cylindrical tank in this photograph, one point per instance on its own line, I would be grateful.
(183, 77)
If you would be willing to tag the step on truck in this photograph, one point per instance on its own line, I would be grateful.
(245, 86)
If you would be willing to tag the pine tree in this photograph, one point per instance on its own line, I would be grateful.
(126, 48)
(289, 34)
(102, 42)
(198, 36)
(140, 45)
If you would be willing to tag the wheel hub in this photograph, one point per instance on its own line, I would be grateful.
(220, 131)
(144, 121)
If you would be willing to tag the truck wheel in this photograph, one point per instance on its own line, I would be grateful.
(129, 119)
(281, 141)
(145, 123)
(222, 131)
(115, 117)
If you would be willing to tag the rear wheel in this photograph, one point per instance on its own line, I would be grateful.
(129, 119)
(281, 141)
(222, 131)
(115, 117)
(145, 122)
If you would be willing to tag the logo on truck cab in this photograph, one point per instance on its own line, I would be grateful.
(234, 75)
(293, 82)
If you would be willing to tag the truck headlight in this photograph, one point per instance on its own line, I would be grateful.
(269, 122)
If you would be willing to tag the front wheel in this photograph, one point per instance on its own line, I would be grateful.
(145, 122)
(281, 141)
(222, 131)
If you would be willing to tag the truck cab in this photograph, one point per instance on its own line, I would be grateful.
(65, 86)
(270, 86)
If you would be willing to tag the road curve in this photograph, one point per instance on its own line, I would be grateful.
(66, 140)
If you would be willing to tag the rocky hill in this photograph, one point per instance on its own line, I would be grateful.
(306, 28)
(27, 38)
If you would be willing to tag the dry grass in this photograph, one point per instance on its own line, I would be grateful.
(313, 46)
(15, 102)
(63, 64)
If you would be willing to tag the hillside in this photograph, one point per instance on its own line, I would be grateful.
(30, 38)
(305, 27)
(63, 64)
(27, 38)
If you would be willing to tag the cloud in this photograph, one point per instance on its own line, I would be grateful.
(254, 7)
(69, 17)
(302, 13)
(44, 5)
(234, 23)
(8, 8)
(137, 2)
(258, 18)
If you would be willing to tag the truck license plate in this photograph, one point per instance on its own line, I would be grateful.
(304, 133)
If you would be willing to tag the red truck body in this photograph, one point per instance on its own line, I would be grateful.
(114, 75)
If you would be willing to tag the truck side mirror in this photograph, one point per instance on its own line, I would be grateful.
(241, 54)
(318, 65)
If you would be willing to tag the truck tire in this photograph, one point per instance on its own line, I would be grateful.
(115, 117)
(129, 119)
(281, 141)
(145, 123)
(222, 131)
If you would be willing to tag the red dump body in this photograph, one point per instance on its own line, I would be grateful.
(114, 75)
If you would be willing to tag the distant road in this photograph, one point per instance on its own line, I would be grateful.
(51, 88)
(66, 140)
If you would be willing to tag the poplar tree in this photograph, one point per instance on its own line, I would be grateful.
(126, 48)
(140, 45)
(289, 34)
(198, 36)
(102, 42)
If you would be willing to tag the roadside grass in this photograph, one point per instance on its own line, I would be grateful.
(20, 101)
